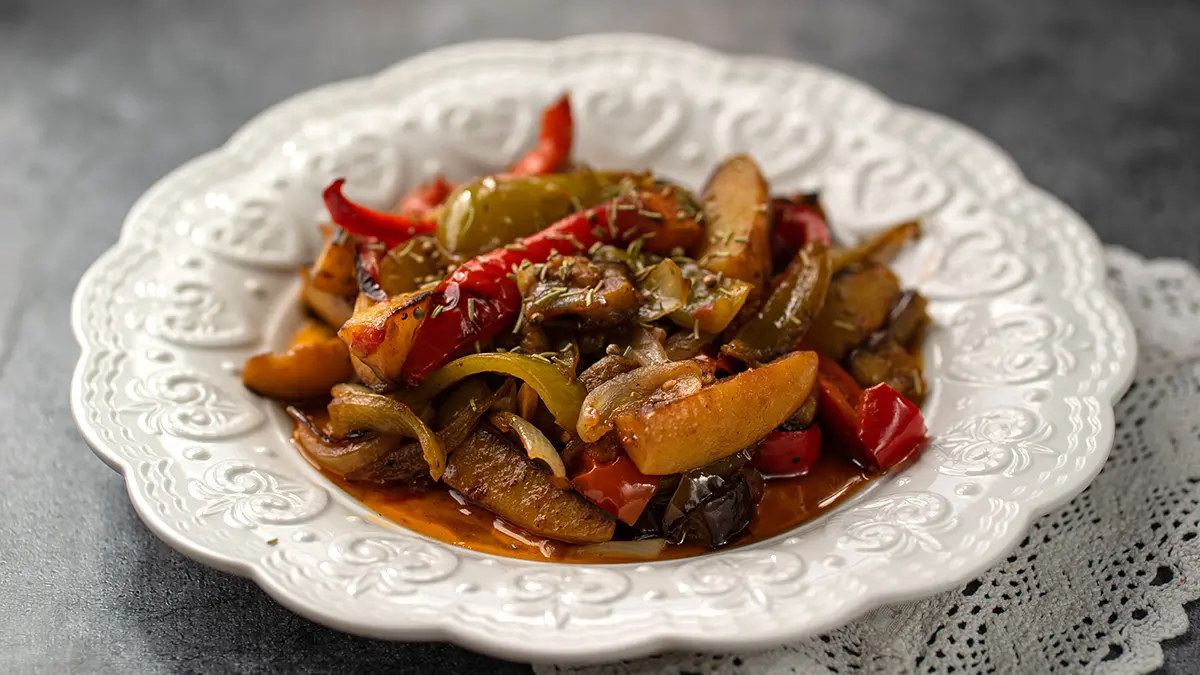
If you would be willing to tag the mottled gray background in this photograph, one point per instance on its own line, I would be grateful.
(1098, 100)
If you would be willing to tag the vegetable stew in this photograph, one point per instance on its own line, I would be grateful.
(557, 363)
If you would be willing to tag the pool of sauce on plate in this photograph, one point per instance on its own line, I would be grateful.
(443, 514)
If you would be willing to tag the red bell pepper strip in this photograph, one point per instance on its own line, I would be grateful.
(788, 453)
(889, 426)
(424, 198)
(480, 298)
(390, 228)
(617, 486)
(877, 427)
(794, 224)
(554, 142)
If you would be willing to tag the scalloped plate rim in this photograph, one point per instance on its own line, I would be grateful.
(662, 637)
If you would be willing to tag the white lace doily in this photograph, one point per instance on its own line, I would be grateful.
(1097, 585)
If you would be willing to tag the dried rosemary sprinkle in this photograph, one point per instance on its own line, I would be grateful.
(595, 247)
(794, 320)
(471, 308)
(696, 329)
(407, 248)
(520, 322)
(844, 325)
(438, 309)
(741, 240)
(590, 296)
(652, 215)
(512, 275)
(525, 264)
(472, 404)
(628, 352)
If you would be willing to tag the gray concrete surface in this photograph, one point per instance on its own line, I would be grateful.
(1098, 100)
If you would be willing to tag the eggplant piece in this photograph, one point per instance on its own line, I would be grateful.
(492, 472)
(713, 504)
(457, 417)
(804, 416)
(908, 317)
(880, 248)
(606, 369)
(858, 304)
(884, 361)
(598, 294)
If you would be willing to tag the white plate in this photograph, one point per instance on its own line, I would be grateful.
(1029, 356)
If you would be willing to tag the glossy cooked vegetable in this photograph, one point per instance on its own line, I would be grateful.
(636, 386)
(479, 300)
(737, 209)
(880, 248)
(561, 393)
(789, 311)
(712, 302)
(794, 223)
(303, 372)
(334, 310)
(713, 504)
(490, 471)
(342, 456)
(333, 271)
(381, 335)
(615, 485)
(390, 228)
(788, 453)
(553, 149)
(493, 211)
(718, 421)
(648, 370)
(355, 408)
(857, 304)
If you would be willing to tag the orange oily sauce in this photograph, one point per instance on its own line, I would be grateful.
(444, 515)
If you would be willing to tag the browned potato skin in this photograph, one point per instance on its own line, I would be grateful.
(380, 336)
(333, 272)
(690, 432)
(333, 309)
(311, 331)
(490, 471)
(305, 371)
(858, 304)
(737, 242)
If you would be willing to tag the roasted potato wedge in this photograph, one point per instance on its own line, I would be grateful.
(305, 371)
(381, 335)
(737, 242)
(492, 472)
(312, 331)
(688, 433)
(333, 272)
(333, 309)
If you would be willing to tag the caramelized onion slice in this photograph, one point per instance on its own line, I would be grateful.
(340, 456)
(537, 446)
(595, 417)
(358, 408)
(560, 392)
